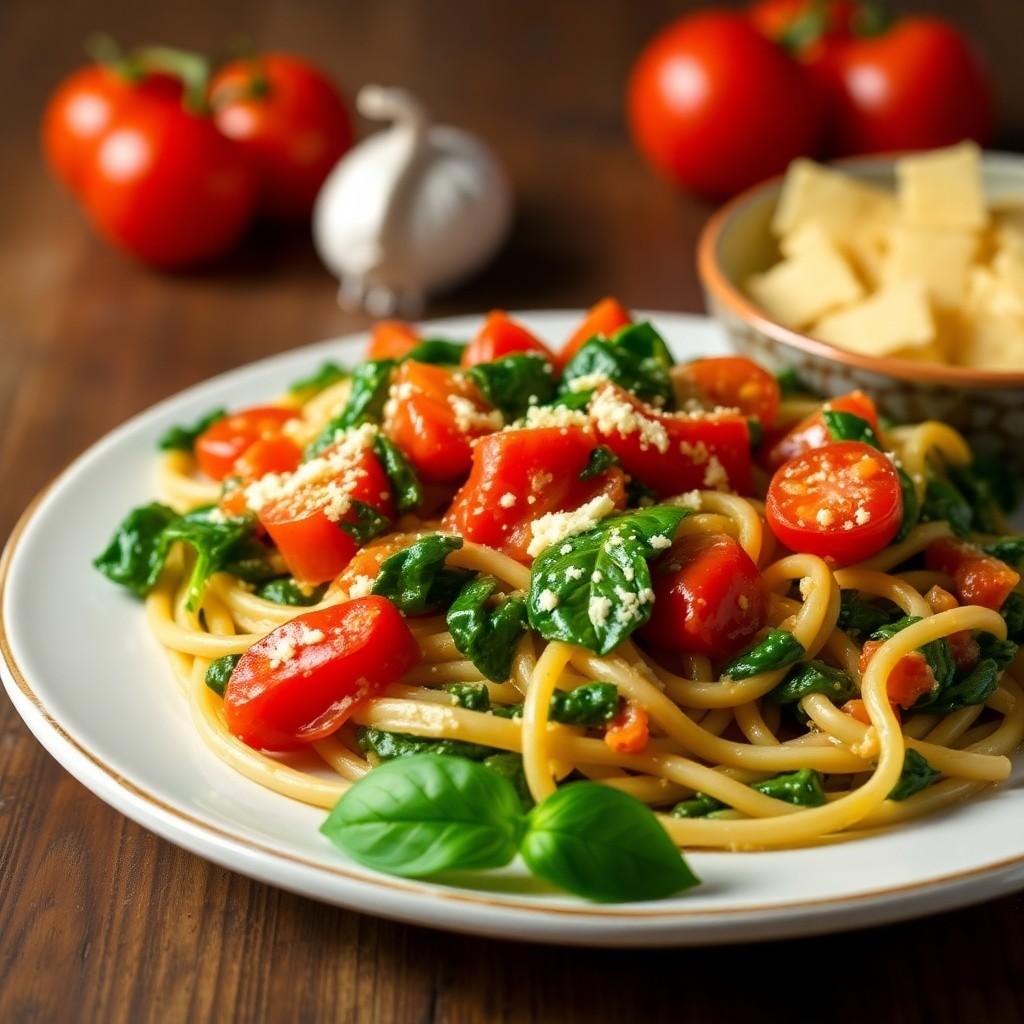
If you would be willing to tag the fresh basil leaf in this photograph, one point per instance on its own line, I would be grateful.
(367, 524)
(472, 696)
(405, 484)
(845, 426)
(487, 635)
(1012, 612)
(600, 843)
(285, 590)
(319, 380)
(942, 500)
(1007, 549)
(514, 383)
(634, 361)
(370, 384)
(600, 461)
(416, 580)
(917, 774)
(805, 788)
(510, 767)
(421, 815)
(859, 617)
(183, 439)
(219, 672)
(438, 351)
(594, 588)
(590, 704)
(814, 677)
(643, 340)
(388, 746)
(133, 557)
(778, 649)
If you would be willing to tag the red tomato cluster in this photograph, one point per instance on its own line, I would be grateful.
(720, 100)
(171, 168)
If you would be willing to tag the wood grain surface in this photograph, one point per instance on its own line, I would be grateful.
(102, 921)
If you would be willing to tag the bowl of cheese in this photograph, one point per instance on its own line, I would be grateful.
(901, 275)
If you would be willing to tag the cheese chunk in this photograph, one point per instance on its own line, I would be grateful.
(895, 318)
(988, 292)
(801, 288)
(993, 342)
(942, 189)
(940, 258)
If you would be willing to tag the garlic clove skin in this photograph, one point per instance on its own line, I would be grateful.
(411, 210)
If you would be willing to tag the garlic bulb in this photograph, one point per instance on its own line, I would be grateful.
(410, 210)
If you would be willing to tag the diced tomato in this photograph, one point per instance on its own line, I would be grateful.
(302, 681)
(856, 709)
(731, 381)
(674, 452)
(309, 533)
(502, 336)
(223, 442)
(841, 502)
(602, 319)
(812, 432)
(271, 454)
(435, 416)
(629, 731)
(978, 578)
(708, 597)
(520, 475)
(962, 645)
(392, 339)
(910, 679)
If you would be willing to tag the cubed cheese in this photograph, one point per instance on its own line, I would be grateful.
(942, 189)
(988, 292)
(940, 258)
(993, 342)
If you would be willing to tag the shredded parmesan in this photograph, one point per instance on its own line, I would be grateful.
(553, 528)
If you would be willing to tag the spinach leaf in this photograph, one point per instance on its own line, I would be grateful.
(942, 500)
(219, 672)
(790, 384)
(515, 382)
(601, 459)
(133, 558)
(388, 746)
(590, 704)
(858, 617)
(577, 401)
(370, 384)
(183, 439)
(425, 814)
(487, 635)
(845, 426)
(602, 844)
(644, 341)
(472, 696)
(989, 490)
(594, 588)
(814, 677)
(368, 523)
(1002, 652)
(1007, 549)
(700, 805)
(510, 767)
(911, 504)
(635, 357)
(416, 580)
(778, 649)
(405, 484)
(975, 688)
(306, 387)
(804, 788)
(285, 590)
(917, 774)
(1012, 612)
(438, 351)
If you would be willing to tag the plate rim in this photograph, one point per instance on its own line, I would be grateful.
(684, 926)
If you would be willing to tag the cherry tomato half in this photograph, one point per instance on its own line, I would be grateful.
(731, 381)
(603, 319)
(392, 339)
(812, 432)
(841, 502)
(500, 336)
(223, 443)
(303, 680)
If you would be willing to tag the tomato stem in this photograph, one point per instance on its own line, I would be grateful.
(105, 49)
(192, 69)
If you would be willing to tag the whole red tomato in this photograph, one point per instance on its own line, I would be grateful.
(716, 107)
(918, 85)
(164, 185)
(291, 122)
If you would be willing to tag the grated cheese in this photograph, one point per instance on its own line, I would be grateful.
(551, 529)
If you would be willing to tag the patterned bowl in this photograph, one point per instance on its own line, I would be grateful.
(985, 405)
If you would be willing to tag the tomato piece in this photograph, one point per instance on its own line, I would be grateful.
(222, 443)
(962, 645)
(842, 502)
(272, 454)
(307, 521)
(812, 432)
(603, 319)
(978, 578)
(303, 680)
(629, 731)
(730, 381)
(434, 416)
(673, 452)
(392, 339)
(857, 709)
(291, 123)
(520, 475)
(910, 679)
(708, 597)
(502, 336)
(366, 562)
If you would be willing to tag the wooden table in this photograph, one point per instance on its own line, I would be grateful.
(102, 921)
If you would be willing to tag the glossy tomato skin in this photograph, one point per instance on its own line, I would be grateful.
(340, 657)
(978, 578)
(674, 452)
(732, 382)
(290, 121)
(812, 433)
(500, 336)
(842, 502)
(715, 107)
(222, 443)
(708, 597)
(910, 679)
(920, 85)
(165, 186)
(434, 416)
(392, 339)
(603, 318)
(520, 475)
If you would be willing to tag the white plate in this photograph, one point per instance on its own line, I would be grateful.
(93, 686)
